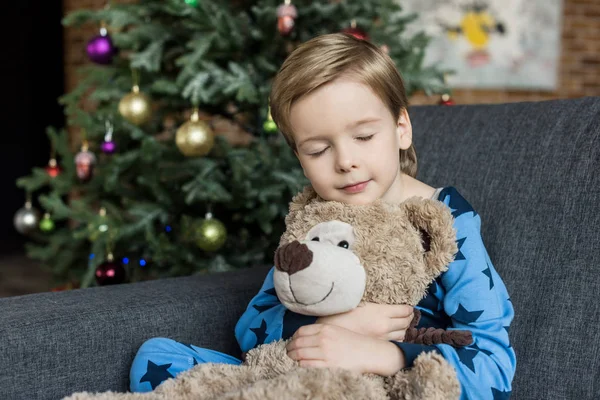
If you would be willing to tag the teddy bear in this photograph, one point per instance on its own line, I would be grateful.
(331, 258)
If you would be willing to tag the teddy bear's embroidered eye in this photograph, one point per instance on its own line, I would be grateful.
(343, 244)
(315, 239)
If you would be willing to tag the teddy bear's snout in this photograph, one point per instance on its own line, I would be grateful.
(293, 257)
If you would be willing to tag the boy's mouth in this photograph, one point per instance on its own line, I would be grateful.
(356, 187)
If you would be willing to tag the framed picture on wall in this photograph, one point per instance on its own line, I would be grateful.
(492, 44)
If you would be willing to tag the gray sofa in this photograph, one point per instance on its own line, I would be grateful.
(531, 170)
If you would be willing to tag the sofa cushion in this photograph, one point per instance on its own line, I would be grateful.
(54, 344)
(532, 171)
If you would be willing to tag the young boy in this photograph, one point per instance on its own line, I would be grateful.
(341, 105)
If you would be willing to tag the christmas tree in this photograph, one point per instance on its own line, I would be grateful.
(175, 166)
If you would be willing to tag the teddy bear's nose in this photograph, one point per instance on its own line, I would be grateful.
(293, 257)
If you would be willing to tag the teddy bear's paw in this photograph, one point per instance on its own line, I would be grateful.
(430, 378)
(313, 383)
(114, 396)
(272, 357)
(208, 381)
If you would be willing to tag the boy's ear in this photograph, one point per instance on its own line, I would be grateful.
(434, 222)
(404, 130)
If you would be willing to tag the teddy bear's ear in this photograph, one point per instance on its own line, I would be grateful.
(297, 210)
(434, 221)
(300, 200)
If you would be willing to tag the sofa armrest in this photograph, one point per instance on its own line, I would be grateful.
(53, 344)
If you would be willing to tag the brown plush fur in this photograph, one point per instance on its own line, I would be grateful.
(430, 378)
(384, 231)
(429, 336)
(403, 248)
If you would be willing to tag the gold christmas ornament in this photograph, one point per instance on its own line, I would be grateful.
(195, 137)
(210, 234)
(135, 107)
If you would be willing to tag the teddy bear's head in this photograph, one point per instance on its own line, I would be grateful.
(332, 255)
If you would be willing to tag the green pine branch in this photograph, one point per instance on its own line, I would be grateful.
(211, 56)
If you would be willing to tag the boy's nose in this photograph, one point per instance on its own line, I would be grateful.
(293, 257)
(345, 162)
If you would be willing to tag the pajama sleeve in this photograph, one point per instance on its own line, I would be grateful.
(471, 296)
(266, 319)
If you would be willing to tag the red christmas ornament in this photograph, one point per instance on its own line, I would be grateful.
(286, 15)
(446, 100)
(52, 168)
(110, 273)
(356, 32)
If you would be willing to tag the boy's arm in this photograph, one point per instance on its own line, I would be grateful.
(475, 298)
(266, 319)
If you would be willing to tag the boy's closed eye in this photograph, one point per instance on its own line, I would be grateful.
(318, 153)
(365, 138)
(360, 138)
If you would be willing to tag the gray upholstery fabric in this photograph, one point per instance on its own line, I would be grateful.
(532, 171)
(56, 343)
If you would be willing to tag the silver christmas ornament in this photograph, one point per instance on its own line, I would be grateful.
(26, 219)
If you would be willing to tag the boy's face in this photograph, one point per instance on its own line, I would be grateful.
(348, 143)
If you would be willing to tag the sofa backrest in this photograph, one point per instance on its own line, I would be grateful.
(532, 171)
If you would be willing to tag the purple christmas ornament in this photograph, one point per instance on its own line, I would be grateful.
(100, 48)
(109, 147)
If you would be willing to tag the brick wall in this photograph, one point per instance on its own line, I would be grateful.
(579, 68)
(578, 73)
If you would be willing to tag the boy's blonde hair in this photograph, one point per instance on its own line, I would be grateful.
(328, 57)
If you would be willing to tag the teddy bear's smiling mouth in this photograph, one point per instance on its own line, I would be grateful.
(309, 304)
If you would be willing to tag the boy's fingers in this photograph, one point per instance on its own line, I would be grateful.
(310, 353)
(313, 364)
(308, 330)
(397, 336)
(303, 342)
(400, 311)
(399, 324)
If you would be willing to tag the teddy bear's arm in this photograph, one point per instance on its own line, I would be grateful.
(429, 336)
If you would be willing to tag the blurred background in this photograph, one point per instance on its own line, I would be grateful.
(33, 68)
(41, 58)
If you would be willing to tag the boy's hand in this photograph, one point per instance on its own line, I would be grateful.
(330, 346)
(380, 321)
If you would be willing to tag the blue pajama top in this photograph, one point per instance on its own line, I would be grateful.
(470, 296)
